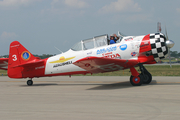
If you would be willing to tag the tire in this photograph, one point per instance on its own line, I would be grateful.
(147, 77)
(136, 81)
(29, 82)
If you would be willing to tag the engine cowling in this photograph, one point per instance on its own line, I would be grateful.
(153, 47)
(159, 48)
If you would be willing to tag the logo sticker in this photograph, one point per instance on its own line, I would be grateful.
(105, 50)
(123, 47)
(89, 53)
(62, 59)
(62, 64)
(128, 39)
(25, 55)
(111, 55)
(133, 54)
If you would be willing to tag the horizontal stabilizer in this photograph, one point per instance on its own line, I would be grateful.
(30, 63)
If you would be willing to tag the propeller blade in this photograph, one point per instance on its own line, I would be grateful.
(169, 57)
(166, 34)
(158, 27)
(169, 44)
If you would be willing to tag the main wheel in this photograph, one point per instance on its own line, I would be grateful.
(136, 81)
(147, 77)
(29, 82)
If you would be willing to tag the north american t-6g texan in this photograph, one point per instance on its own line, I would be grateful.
(93, 55)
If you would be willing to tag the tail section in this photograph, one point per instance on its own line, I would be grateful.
(19, 56)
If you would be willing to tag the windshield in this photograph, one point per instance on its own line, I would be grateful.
(91, 43)
(77, 47)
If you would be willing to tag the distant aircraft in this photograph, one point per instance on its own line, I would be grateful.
(4, 63)
(93, 55)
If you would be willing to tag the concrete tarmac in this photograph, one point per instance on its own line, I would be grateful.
(89, 98)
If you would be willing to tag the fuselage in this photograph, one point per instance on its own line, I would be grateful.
(127, 48)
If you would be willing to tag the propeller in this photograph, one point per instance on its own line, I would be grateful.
(158, 27)
(169, 44)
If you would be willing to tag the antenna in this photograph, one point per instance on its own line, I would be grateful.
(58, 49)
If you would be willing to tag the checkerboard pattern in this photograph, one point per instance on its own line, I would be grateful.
(158, 46)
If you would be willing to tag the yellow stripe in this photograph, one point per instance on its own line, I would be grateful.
(61, 61)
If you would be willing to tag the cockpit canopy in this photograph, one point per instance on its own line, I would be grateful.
(91, 43)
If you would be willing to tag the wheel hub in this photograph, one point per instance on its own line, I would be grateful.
(136, 80)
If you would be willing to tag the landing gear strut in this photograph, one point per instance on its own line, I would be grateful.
(137, 79)
(30, 82)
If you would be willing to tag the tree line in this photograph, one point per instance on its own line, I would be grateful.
(174, 54)
(43, 56)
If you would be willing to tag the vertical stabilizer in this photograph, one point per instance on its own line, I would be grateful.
(18, 55)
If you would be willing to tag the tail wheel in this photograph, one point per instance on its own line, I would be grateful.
(29, 82)
(136, 81)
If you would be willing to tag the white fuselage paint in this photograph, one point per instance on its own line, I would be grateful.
(125, 48)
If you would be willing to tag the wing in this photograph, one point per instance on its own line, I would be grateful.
(102, 64)
(4, 63)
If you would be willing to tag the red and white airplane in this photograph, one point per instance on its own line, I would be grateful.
(93, 55)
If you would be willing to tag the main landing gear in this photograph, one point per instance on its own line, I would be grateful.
(30, 82)
(137, 79)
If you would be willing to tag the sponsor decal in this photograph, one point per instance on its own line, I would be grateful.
(111, 55)
(144, 45)
(25, 55)
(62, 59)
(128, 39)
(105, 50)
(41, 67)
(89, 53)
(62, 64)
(15, 46)
(123, 47)
(133, 54)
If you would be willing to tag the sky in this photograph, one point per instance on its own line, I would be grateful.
(42, 25)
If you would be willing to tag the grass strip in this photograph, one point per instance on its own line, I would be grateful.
(155, 70)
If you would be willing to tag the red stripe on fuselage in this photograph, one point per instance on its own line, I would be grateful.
(145, 44)
(145, 47)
